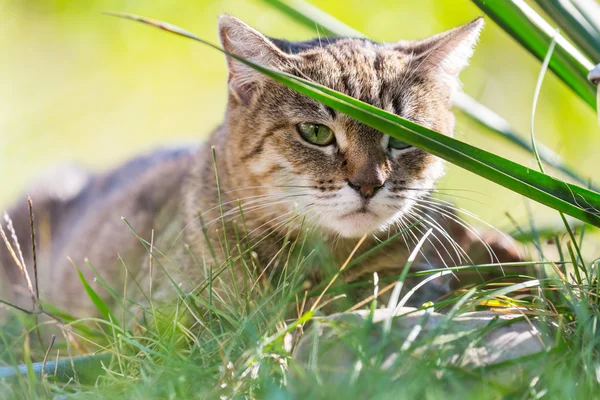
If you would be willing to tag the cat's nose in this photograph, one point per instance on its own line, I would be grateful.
(366, 187)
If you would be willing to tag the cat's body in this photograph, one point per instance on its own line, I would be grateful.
(288, 162)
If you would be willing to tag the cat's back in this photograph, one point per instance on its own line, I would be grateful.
(79, 215)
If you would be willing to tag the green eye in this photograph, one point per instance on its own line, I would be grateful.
(316, 133)
(398, 144)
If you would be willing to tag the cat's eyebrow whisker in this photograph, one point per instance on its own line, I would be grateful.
(407, 70)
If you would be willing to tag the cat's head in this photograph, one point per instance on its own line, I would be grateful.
(346, 177)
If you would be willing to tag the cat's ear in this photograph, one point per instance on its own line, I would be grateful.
(242, 40)
(447, 52)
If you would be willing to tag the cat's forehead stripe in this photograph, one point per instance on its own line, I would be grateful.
(320, 43)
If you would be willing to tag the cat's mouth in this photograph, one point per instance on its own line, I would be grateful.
(362, 211)
(355, 218)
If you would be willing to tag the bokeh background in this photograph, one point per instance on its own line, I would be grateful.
(76, 85)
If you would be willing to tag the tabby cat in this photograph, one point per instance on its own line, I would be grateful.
(280, 165)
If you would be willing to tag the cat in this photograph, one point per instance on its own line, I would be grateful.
(289, 163)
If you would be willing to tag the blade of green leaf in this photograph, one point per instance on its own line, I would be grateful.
(574, 24)
(311, 16)
(494, 122)
(547, 231)
(546, 190)
(535, 34)
(97, 300)
(31, 378)
(590, 9)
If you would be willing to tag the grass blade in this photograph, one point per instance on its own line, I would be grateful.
(535, 34)
(590, 10)
(574, 24)
(311, 16)
(97, 300)
(495, 123)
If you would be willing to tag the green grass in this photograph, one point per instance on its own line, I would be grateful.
(192, 349)
(201, 346)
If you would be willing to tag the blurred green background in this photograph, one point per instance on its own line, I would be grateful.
(76, 85)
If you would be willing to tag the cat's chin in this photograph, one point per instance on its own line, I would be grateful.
(356, 224)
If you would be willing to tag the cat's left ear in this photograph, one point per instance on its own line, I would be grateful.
(242, 40)
(447, 52)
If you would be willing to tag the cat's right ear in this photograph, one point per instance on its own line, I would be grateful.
(244, 41)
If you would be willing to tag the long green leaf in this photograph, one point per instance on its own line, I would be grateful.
(97, 300)
(590, 9)
(535, 34)
(574, 24)
(494, 122)
(312, 17)
(573, 200)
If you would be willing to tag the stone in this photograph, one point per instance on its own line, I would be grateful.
(331, 346)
